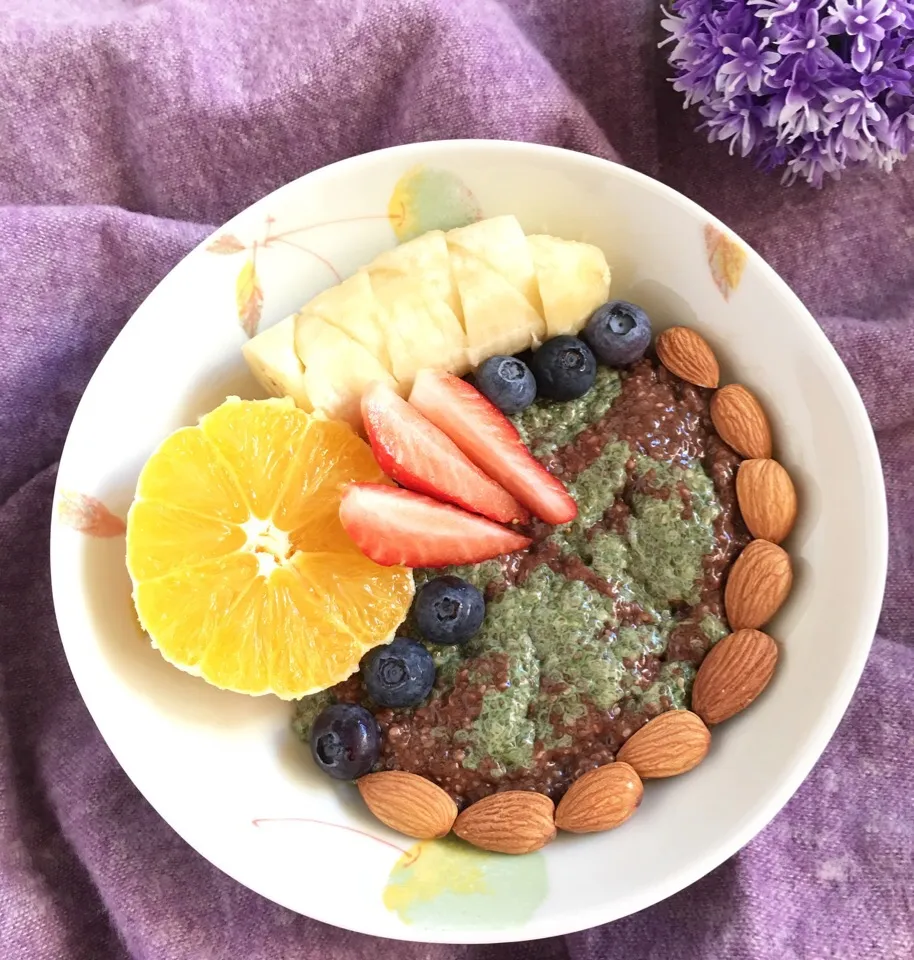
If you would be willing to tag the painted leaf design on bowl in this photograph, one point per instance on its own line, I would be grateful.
(726, 258)
(226, 243)
(494, 891)
(249, 296)
(261, 821)
(88, 515)
(426, 198)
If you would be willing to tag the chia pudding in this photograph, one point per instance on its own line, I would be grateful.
(601, 623)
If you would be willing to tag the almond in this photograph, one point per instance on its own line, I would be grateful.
(600, 800)
(687, 354)
(515, 821)
(408, 803)
(758, 584)
(741, 422)
(668, 745)
(733, 674)
(767, 499)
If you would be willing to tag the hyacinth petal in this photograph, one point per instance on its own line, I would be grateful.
(861, 56)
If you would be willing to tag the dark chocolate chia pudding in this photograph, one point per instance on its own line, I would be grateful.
(599, 625)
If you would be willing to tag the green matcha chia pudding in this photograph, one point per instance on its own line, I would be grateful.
(598, 626)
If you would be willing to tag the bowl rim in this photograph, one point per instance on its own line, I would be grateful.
(818, 736)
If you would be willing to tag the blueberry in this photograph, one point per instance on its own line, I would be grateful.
(618, 333)
(507, 382)
(345, 741)
(564, 368)
(449, 610)
(400, 674)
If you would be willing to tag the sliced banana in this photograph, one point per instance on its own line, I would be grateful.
(500, 242)
(351, 306)
(444, 300)
(420, 331)
(493, 267)
(497, 318)
(338, 370)
(274, 362)
(425, 258)
(573, 281)
(417, 306)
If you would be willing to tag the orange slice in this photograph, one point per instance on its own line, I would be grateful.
(242, 573)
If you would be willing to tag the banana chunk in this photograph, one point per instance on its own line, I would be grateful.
(501, 244)
(273, 360)
(427, 260)
(573, 281)
(502, 307)
(498, 319)
(419, 308)
(338, 370)
(352, 307)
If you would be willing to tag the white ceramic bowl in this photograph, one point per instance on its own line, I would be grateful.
(226, 772)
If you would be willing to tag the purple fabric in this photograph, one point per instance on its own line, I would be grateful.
(129, 129)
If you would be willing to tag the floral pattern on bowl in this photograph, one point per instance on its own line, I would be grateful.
(423, 199)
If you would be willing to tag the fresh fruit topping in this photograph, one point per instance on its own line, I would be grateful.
(733, 674)
(618, 333)
(514, 821)
(345, 741)
(399, 675)
(564, 368)
(507, 382)
(442, 300)
(273, 361)
(418, 455)
(408, 803)
(767, 499)
(758, 584)
(492, 442)
(668, 745)
(687, 354)
(573, 280)
(242, 573)
(418, 307)
(600, 800)
(492, 267)
(394, 526)
(449, 610)
(337, 369)
(741, 422)
(352, 308)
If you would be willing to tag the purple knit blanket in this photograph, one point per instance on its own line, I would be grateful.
(129, 129)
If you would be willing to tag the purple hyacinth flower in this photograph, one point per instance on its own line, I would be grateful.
(803, 38)
(891, 72)
(856, 115)
(808, 86)
(740, 125)
(801, 112)
(865, 22)
(750, 65)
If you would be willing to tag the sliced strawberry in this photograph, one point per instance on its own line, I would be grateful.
(394, 526)
(492, 442)
(415, 453)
